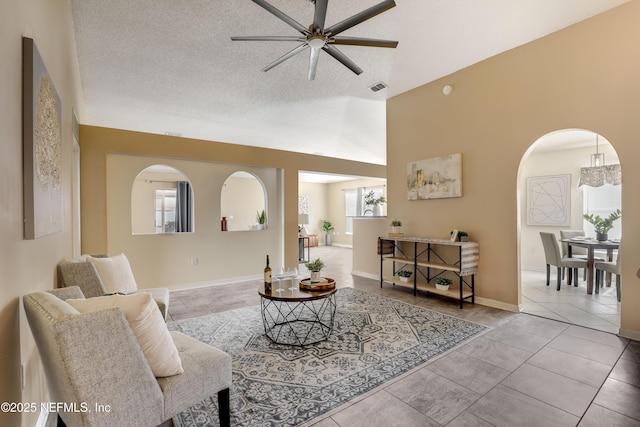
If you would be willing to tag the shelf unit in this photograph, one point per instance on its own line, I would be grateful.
(426, 258)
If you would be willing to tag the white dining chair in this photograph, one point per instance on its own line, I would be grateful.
(554, 257)
(602, 267)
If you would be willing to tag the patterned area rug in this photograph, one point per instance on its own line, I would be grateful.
(374, 339)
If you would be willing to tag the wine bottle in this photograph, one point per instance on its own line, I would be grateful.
(267, 277)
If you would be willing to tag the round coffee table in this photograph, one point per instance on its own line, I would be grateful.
(297, 316)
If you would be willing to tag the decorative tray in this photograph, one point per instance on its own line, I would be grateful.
(324, 284)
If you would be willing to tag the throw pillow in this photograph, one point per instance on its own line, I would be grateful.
(147, 324)
(115, 273)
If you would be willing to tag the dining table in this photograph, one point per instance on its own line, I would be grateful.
(591, 245)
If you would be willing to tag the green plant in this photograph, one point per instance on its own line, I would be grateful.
(261, 217)
(462, 233)
(370, 199)
(405, 273)
(396, 223)
(443, 281)
(603, 225)
(327, 226)
(315, 265)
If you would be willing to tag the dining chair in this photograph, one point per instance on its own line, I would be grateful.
(576, 252)
(554, 257)
(602, 267)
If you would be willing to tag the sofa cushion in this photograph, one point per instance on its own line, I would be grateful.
(115, 273)
(147, 324)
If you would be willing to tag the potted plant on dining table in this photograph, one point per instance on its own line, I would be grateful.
(602, 226)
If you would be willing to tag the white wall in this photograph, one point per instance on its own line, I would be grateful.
(541, 163)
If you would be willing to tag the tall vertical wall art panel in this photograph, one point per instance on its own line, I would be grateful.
(42, 147)
(549, 200)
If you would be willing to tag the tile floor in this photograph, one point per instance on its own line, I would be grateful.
(525, 371)
(570, 304)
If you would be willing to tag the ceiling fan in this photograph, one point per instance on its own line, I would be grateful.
(318, 38)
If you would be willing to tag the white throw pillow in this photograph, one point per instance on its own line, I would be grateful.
(115, 273)
(147, 324)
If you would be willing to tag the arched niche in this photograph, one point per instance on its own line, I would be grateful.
(243, 202)
(161, 202)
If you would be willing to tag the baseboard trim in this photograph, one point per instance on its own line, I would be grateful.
(365, 275)
(515, 308)
(629, 333)
(227, 281)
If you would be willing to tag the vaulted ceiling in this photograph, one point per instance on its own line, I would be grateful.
(170, 66)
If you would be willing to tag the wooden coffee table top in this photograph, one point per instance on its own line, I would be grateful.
(296, 295)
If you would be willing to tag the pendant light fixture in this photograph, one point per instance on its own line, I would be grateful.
(599, 174)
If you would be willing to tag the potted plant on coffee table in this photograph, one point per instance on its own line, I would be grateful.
(442, 283)
(602, 226)
(404, 275)
(314, 268)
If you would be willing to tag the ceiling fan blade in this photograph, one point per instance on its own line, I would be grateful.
(268, 38)
(360, 17)
(359, 41)
(313, 63)
(319, 15)
(341, 57)
(286, 56)
(281, 15)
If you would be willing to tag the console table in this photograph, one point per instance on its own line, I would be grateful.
(427, 259)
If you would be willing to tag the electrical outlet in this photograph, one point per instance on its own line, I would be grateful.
(194, 261)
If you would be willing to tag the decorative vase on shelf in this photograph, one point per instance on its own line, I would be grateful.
(442, 287)
(404, 279)
(315, 276)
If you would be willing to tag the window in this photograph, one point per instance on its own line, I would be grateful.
(355, 203)
(602, 201)
(165, 221)
(351, 209)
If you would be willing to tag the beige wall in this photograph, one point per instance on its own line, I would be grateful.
(241, 200)
(29, 265)
(167, 260)
(586, 77)
(112, 158)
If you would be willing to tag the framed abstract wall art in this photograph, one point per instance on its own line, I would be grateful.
(435, 178)
(549, 200)
(42, 147)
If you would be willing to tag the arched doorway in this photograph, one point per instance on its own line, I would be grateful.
(551, 200)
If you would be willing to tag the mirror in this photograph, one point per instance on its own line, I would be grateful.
(161, 202)
(243, 202)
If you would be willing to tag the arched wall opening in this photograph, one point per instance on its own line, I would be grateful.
(550, 200)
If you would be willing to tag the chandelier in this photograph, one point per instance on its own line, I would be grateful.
(599, 173)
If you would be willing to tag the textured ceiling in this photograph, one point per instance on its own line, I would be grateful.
(163, 66)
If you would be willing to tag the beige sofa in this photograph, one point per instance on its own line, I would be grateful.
(93, 360)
